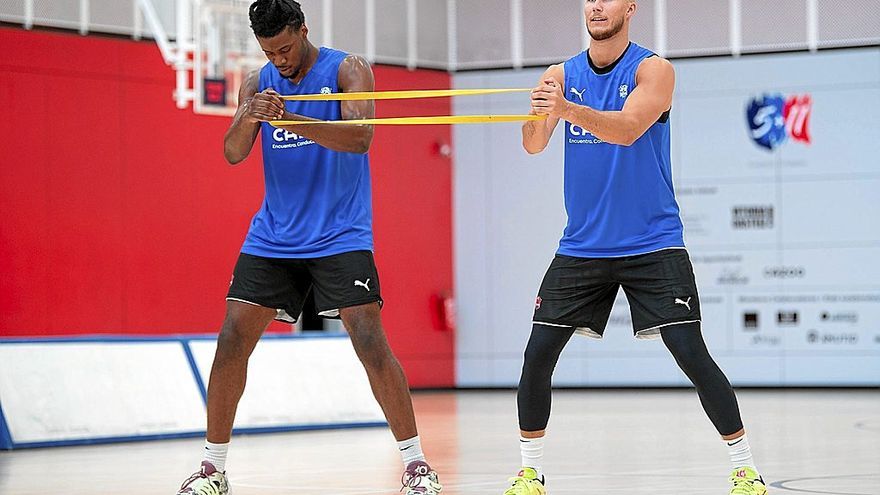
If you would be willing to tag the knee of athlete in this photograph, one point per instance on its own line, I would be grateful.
(370, 347)
(694, 360)
(231, 340)
(538, 362)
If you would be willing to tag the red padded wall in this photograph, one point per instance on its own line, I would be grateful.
(120, 216)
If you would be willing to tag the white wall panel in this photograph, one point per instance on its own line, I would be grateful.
(54, 392)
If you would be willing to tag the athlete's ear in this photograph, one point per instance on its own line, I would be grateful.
(631, 8)
(304, 30)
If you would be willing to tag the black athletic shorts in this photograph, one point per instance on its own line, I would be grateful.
(338, 281)
(579, 292)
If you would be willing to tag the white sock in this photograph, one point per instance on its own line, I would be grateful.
(215, 453)
(532, 451)
(411, 450)
(740, 452)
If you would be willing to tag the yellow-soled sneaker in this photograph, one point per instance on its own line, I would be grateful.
(747, 481)
(205, 481)
(420, 479)
(526, 482)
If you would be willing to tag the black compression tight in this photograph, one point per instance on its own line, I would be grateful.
(533, 395)
(686, 344)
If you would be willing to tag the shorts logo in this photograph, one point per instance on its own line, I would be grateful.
(538, 302)
(686, 304)
(365, 285)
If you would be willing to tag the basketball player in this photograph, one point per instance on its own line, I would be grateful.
(311, 237)
(623, 230)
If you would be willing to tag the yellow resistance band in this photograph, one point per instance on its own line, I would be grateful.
(444, 119)
(401, 95)
(412, 94)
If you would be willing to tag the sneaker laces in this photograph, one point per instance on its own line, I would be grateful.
(412, 478)
(193, 477)
(742, 483)
(518, 484)
(207, 488)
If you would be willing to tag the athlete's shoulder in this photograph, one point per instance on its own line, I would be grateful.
(328, 60)
(354, 62)
(556, 71)
(253, 75)
(255, 81)
(355, 74)
(577, 58)
(655, 67)
(575, 63)
(332, 55)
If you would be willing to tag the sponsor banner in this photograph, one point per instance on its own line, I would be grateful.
(836, 323)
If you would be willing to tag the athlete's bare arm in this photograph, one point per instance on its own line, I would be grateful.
(655, 83)
(355, 75)
(537, 133)
(253, 108)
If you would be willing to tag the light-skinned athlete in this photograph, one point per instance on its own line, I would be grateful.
(312, 236)
(624, 230)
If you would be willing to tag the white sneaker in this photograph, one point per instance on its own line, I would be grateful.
(206, 481)
(420, 479)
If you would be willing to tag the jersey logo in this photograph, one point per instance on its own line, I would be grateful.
(579, 93)
(325, 90)
(281, 135)
(285, 139)
(365, 285)
(623, 90)
(686, 304)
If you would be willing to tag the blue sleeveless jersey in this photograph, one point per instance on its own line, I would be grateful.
(317, 200)
(619, 199)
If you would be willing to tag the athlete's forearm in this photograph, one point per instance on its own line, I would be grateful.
(611, 127)
(535, 137)
(537, 133)
(239, 140)
(349, 138)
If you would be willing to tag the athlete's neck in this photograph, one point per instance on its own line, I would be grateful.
(311, 57)
(606, 52)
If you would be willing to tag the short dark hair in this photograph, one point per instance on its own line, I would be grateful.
(270, 17)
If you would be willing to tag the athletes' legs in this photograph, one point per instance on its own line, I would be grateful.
(242, 328)
(686, 344)
(534, 393)
(347, 285)
(533, 398)
(576, 295)
(664, 302)
(387, 380)
(391, 390)
(259, 286)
